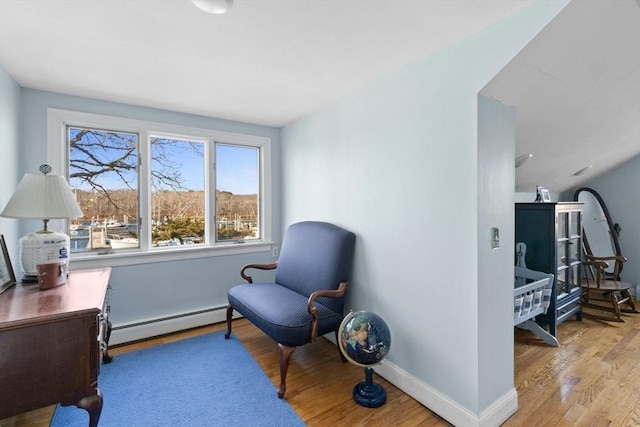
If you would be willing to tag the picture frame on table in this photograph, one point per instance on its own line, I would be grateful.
(542, 195)
(7, 276)
(546, 197)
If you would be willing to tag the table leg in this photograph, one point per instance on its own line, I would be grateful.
(93, 405)
(106, 357)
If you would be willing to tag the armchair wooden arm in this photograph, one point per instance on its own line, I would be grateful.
(599, 260)
(314, 311)
(606, 258)
(270, 266)
(598, 263)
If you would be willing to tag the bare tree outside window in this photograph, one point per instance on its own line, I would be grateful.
(103, 173)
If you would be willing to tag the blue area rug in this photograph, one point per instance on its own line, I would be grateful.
(200, 381)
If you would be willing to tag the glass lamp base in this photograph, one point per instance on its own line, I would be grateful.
(40, 247)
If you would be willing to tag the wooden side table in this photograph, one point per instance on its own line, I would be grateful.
(51, 343)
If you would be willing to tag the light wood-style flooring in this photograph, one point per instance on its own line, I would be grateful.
(592, 379)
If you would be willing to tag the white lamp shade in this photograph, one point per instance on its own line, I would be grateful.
(42, 197)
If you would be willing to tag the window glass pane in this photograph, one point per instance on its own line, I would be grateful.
(562, 253)
(575, 224)
(104, 178)
(575, 276)
(237, 194)
(562, 281)
(574, 251)
(177, 192)
(563, 219)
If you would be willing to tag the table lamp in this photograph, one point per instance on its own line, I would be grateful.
(42, 197)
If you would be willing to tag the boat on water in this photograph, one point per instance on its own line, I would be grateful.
(114, 224)
(132, 242)
(126, 243)
(171, 242)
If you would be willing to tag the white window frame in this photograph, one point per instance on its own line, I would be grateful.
(58, 158)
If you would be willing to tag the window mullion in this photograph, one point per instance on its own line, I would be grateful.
(210, 191)
(264, 201)
(144, 191)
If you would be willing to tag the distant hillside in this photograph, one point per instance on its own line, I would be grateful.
(121, 205)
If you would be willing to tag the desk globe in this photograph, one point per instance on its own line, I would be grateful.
(364, 339)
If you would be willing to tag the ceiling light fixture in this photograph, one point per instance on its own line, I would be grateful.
(583, 170)
(216, 7)
(521, 160)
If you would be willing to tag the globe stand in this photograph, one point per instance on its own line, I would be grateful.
(368, 393)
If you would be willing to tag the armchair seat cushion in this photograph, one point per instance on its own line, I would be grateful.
(280, 312)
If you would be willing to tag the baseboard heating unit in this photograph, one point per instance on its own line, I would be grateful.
(136, 331)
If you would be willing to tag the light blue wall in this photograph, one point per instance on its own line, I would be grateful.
(148, 291)
(620, 190)
(397, 163)
(9, 140)
(496, 180)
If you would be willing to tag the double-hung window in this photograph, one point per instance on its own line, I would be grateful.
(147, 187)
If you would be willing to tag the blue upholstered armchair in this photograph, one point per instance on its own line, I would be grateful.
(307, 297)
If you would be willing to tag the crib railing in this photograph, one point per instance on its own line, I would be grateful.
(531, 297)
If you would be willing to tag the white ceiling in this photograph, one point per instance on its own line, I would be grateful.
(272, 61)
(576, 88)
(266, 62)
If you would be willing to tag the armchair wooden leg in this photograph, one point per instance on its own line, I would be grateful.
(229, 318)
(284, 355)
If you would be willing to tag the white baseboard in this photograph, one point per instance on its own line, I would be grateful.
(124, 333)
(494, 415)
(442, 405)
(500, 410)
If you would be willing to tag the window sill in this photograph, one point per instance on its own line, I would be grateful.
(136, 257)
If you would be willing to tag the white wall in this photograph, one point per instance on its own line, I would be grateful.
(397, 163)
(9, 140)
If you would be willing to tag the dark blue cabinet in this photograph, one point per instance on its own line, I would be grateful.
(553, 235)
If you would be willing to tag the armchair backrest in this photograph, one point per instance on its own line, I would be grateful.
(316, 256)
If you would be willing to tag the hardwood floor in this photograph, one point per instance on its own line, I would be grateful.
(592, 379)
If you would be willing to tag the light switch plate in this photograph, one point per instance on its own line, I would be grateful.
(495, 237)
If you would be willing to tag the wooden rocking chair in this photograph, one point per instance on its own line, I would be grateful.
(604, 291)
